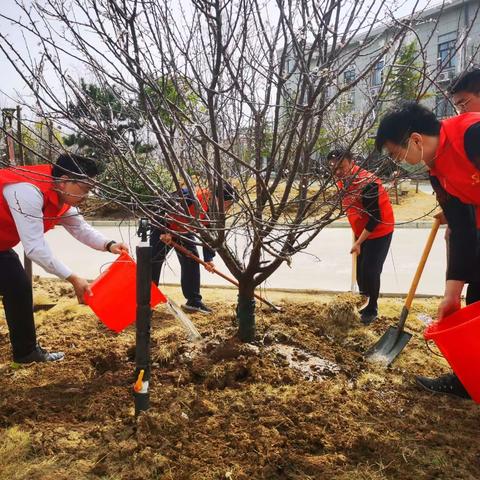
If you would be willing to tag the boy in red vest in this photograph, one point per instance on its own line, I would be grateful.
(370, 215)
(451, 151)
(32, 201)
(179, 225)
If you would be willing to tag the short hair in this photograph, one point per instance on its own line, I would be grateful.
(339, 154)
(229, 192)
(400, 122)
(75, 167)
(468, 81)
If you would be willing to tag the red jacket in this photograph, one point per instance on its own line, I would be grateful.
(181, 222)
(455, 172)
(41, 177)
(356, 214)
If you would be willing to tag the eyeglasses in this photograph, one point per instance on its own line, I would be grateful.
(398, 160)
(461, 105)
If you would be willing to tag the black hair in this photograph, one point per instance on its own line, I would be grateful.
(338, 154)
(400, 122)
(468, 81)
(229, 192)
(75, 167)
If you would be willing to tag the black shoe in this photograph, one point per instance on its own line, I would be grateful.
(196, 308)
(449, 384)
(368, 318)
(40, 355)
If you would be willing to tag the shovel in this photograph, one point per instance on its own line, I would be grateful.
(189, 254)
(354, 285)
(393, 341)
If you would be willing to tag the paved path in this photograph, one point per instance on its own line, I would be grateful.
(324, 266)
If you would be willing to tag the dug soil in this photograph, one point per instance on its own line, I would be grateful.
(299, 403)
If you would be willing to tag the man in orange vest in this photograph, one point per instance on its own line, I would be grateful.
(177, 226)
(32, 201)
(451, 151)
(370, 215)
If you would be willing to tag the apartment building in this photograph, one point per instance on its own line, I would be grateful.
(447, 37)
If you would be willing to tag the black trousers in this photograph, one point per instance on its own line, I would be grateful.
(473, 289)
(190, 269)
(369, 268)
(16, 291)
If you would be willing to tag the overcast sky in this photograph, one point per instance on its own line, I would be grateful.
(11, 85)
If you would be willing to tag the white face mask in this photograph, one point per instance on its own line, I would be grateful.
(421, 153)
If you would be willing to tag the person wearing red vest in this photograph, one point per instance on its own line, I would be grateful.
(33, 200)
(370, 214)
(178, 226)
(465, 94)
(451, 151)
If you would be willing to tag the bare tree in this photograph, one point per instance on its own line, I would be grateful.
(254, 82)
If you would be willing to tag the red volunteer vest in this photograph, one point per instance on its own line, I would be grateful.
(455, 172)
(181, 223)
(41, 177)
(356, 214)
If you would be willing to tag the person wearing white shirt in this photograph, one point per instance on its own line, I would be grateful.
(33, 200)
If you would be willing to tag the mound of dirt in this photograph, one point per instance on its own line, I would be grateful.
(341, 314)
(298, 403)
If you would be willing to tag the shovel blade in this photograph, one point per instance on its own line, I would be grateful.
(389, 346)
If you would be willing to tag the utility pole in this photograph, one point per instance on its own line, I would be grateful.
(7, 121)
(27, 263)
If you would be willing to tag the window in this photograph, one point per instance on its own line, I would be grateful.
(349, 75)
(350, 98)
(446, 50)
(377, 74)
(443, 106)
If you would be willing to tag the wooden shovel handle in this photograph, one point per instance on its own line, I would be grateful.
(353, 283)
(354, 272)
(189, 254)
(421, 264)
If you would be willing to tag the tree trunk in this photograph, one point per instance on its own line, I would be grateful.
(246, 310)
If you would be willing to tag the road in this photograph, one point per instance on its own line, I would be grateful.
(325, 265)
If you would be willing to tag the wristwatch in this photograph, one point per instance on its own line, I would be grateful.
(109, 244)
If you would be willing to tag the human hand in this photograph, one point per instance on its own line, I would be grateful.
(80, 286)
(209, 266)
(356, 248)
(118, 248)
(448, 306)
(451, 299)
(166, 238)
(441, 216)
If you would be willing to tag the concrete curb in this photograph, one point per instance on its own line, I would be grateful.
(133, 223)
(308, 291)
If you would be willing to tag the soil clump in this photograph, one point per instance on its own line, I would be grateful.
(221, 409)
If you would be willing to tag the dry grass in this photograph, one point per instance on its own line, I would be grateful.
(222, 410)
(18, 461)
